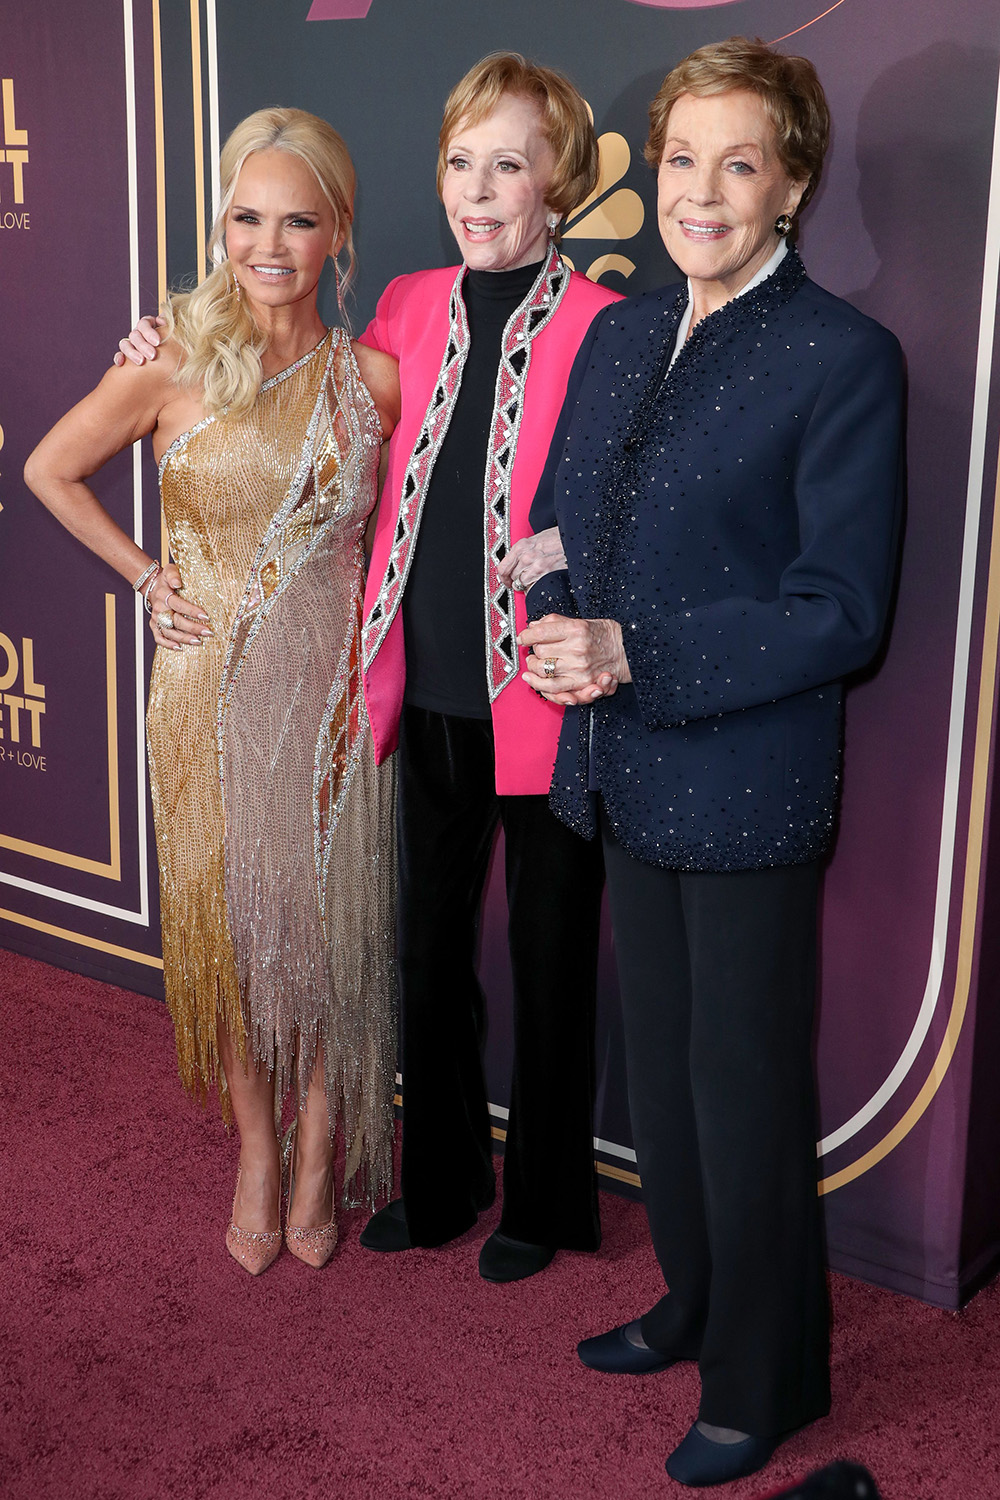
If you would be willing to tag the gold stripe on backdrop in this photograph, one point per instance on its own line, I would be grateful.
(971, 887)
(111, 869)
(618, 1173)
(114, 807)
(82, 940)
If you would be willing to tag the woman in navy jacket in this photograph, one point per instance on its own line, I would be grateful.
(725, 478)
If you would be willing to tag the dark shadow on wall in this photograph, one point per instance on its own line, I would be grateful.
(924, 145)
(924, 148)
(924, 139)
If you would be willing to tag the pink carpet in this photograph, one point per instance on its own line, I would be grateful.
(138, 1361)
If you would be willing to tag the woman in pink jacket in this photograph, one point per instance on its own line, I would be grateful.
(484, 357)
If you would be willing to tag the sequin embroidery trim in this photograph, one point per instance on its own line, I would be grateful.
(523, 327)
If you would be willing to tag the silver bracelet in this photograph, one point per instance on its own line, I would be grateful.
(149, 589)
(145, 576)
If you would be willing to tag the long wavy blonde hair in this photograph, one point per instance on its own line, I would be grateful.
(221, 343)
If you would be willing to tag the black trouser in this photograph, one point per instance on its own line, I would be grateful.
(448, 815)
(717, 976)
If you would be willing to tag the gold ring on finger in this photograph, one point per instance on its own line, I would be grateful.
(549, 666)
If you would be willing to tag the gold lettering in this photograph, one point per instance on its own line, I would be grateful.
(18, 160)
(11, 135)
(28, 658)
(15, 705)
(10, 675)
(35, 708)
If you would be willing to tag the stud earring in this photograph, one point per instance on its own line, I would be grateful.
(782, 224)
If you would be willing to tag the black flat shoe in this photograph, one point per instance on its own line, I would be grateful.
(387, 1229)
(617, 1355)
(504, 1259)
(697, 1461)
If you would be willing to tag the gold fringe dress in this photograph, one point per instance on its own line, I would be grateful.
(274, 827)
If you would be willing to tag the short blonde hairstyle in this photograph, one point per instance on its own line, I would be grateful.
(788, 88)
(221, 343)
(566, 121)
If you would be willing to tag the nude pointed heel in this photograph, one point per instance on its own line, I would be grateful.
(254, 1249)
(311, 1246)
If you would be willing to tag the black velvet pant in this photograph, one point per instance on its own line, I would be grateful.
(717, 976)
(448, 816)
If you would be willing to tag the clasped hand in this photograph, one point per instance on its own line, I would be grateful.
(531, 557)
(588, 656)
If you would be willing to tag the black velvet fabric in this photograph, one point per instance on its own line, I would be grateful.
(448, 815)
(717, 976)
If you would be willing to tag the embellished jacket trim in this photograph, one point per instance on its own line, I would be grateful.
(523, 326)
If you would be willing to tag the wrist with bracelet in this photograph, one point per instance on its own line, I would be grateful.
(144, 583)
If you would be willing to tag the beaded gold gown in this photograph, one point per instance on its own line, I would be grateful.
(274, 826)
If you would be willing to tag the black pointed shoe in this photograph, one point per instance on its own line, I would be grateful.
(386, 1230)
(504, 1259)
(698, 1461)
(615, 1354)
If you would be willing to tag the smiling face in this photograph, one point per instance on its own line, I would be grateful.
(498, 172)
(720, 187)
(279, 230)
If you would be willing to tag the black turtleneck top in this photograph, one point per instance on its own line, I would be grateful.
(446, 642)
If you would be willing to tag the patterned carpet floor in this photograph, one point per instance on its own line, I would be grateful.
(138, 1361)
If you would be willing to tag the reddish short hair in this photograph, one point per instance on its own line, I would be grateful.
(788, 87)
(566, 120)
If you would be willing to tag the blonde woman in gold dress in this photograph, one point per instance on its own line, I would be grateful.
(274, 828)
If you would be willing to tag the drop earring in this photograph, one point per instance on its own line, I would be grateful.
(553, 223)
(338, 283)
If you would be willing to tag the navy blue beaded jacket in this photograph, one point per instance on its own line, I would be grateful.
(738, 515)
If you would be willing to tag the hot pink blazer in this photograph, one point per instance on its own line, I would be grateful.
(412, 323)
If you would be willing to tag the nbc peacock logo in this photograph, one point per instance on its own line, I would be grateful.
(613, 212)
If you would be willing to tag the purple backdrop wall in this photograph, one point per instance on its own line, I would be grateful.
(901, 226)
(77, 240)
